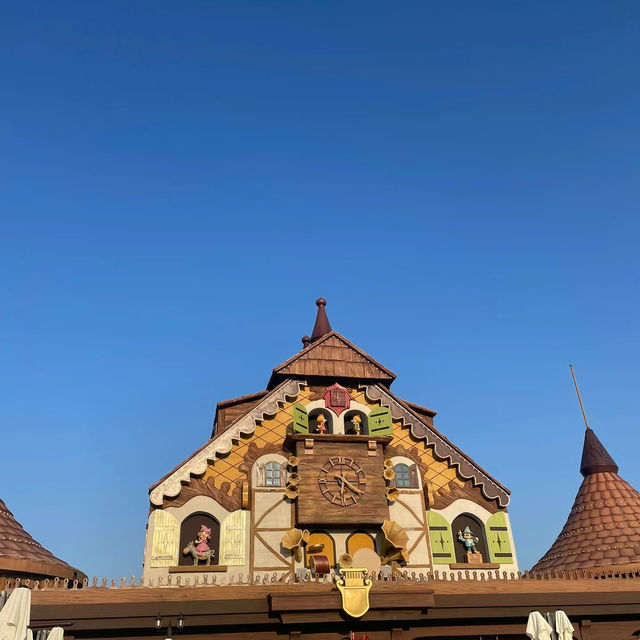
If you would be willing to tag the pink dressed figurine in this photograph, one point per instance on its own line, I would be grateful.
(203, 535)
(321, 428)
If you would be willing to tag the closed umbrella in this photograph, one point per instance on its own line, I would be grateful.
(563, 625)
(14, 617)
(57, 633)
(537, 627)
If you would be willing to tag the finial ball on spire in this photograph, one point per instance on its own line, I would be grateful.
(321, 302)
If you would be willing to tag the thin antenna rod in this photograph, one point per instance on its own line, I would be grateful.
(575, 382)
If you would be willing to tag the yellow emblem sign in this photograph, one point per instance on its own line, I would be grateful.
(354, 588)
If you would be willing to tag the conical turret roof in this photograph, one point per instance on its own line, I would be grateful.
(603, 527)
(20, 554)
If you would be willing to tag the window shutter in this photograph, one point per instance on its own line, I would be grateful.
(380, 422)
(413, 476)
(166, 539)
(300, 419)
(442, 549)
(498, 537)
(232, 539)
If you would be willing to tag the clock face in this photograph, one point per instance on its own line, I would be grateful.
(342, 481)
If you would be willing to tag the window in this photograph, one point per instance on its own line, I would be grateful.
(272, 474)
(403, 477)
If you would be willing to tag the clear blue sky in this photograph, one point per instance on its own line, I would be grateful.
(180, 181)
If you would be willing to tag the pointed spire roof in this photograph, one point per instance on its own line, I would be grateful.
(327, 354)
(322, 326)
(603, 527)
(20, 554)
(595, 458)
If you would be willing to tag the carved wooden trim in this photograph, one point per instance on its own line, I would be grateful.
(245, 426)
(443, 449)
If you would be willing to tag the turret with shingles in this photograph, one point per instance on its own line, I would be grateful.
(603, 527)
(22, 556)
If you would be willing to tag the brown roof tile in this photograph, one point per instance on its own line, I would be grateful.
(603, 527)
(20, 553)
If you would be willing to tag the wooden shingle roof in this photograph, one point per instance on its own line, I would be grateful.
(603, 527)
(21, 554)
(332, 356)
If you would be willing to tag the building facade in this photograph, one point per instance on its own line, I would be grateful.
(326, 467)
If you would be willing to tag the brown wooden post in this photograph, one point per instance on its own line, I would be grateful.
(397, 634)
(585, 630)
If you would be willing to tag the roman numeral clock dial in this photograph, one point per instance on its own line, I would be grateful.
(342, 481)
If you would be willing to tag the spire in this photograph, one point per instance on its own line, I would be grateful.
(21, 555)
(322, 326)
(595, 457)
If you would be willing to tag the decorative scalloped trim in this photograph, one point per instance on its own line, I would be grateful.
(441, 447)
(222, 444)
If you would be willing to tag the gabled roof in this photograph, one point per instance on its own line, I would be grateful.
(332, 356)
(21, 554)
(443, 448)
(603, 527)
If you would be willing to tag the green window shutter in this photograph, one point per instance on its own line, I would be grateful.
(300, 419)
(498, 537)
(380, 422)
(232, 539)
(442, 549)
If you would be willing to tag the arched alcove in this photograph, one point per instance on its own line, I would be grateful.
(360, 540)
(189, 532)
(477, 529)
(350, 427)
(313, 420)
(329, 548)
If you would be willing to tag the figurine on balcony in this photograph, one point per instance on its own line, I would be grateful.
(356, 421)
(321, 427)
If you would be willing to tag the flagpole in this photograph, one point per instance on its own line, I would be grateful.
(575, 383)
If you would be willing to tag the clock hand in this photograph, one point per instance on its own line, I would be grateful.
(340, 481)
(351, 486)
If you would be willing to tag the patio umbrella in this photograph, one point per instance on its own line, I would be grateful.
(14, 617)
(57, 633)
(537, 627)
(563, 625)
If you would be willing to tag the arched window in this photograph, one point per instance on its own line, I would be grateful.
(477, 530)
(189, 533)
(272, 474)
(356, 422)
(314, 422)
(320, 544)
(360, 540)
(406, 476)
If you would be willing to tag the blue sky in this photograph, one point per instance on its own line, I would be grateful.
(180, 181)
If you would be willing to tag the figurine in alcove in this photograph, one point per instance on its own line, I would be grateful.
(356, 422)
(469, 541)
(202, 539)
(199, 548)
(321, 427)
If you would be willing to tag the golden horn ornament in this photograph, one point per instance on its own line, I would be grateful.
(392, 494)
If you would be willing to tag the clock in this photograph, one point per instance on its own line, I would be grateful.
(342, 481)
